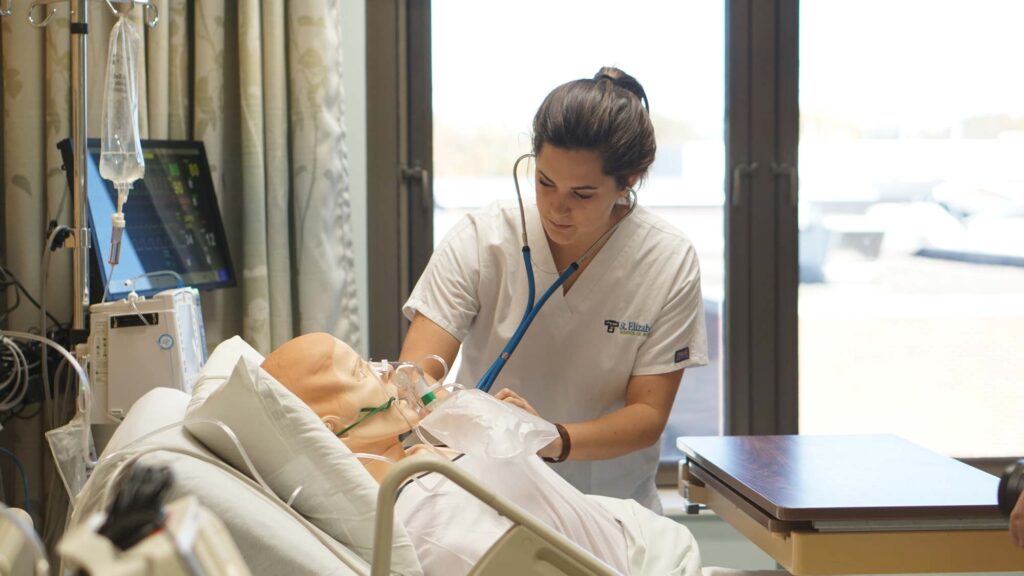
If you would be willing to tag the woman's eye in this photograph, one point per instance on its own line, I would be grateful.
(583, 196)
(546, 184)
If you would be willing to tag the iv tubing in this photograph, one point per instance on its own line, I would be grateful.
(84, 400)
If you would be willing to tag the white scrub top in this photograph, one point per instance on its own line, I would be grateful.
(635, 310)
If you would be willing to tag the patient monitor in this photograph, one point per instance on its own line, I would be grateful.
(137, 344)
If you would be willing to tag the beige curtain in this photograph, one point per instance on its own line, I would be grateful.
(259, 82)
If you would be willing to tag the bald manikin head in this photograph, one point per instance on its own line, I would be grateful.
(336, 383)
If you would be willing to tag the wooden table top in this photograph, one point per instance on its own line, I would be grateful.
(861, 477)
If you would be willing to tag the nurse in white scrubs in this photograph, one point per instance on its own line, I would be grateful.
(604, 358)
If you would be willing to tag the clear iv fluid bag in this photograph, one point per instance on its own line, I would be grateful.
(121, 159)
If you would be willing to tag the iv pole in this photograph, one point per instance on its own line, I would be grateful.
(79, 133)
(79, 242)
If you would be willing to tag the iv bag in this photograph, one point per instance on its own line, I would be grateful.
(121, 159)
(72, 454)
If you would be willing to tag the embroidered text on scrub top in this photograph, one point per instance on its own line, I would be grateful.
(627, 328)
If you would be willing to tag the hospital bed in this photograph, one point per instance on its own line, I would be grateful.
(246, 459)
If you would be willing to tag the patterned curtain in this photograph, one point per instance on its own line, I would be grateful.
(259, 82)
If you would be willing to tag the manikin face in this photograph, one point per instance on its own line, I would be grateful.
(336, 382)
(574, 196)
(358, 388)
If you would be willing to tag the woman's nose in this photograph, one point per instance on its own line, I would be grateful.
(562, 205)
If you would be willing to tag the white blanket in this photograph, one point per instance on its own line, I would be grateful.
(452, 529)
(656, 545)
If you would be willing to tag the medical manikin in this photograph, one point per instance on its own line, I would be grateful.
(451, 529)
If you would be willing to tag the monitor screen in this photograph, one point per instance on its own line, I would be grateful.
(173, 231)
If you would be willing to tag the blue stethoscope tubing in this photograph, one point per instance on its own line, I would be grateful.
(533, 309)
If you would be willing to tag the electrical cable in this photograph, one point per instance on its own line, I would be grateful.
(17, 380)
(53, 241)
(24, 478)
(84, 397)
(17, 298)
(7, 273)
(180, 280)
(60, 412)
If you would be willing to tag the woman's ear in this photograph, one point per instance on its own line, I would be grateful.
(631, 183)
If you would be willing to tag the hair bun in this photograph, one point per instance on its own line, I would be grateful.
(623, 80)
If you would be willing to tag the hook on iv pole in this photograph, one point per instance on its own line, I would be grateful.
(151, 22)
(49, 15)
(146, 5)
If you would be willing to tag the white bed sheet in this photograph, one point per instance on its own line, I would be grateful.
(655, 545)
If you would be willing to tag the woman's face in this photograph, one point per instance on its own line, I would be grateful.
(574, 195)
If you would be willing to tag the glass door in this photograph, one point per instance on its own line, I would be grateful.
(911, 217)
(493, 64)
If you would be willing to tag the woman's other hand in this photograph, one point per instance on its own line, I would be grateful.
(506, 395)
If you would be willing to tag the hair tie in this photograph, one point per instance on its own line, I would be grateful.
(628, 84)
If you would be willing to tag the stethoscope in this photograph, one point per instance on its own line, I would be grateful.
(532, 309)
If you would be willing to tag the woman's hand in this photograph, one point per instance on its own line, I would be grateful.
(514, 399)
(1017, 522)
(553, 449)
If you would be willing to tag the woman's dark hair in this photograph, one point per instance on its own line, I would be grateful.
(607, 114)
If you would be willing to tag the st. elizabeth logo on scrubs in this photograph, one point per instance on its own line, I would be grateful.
(627, 328)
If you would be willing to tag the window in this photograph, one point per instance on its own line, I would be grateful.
(911, 303)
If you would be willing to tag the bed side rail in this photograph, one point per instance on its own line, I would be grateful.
(558, 552)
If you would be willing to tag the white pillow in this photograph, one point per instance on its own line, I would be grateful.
(271, 540)
(291, 449)
(219, 365)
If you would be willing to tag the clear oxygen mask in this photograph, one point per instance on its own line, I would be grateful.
(412, 388)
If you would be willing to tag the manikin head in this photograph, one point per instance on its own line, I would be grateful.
(338, 384)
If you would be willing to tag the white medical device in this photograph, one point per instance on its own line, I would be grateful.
(137, 344)
(191, 542)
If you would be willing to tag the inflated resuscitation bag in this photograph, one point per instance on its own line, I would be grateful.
(474, 422)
